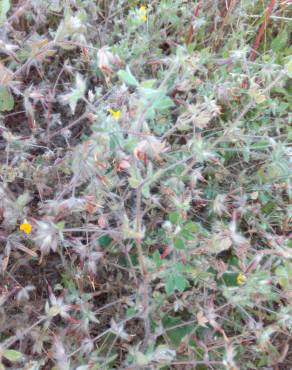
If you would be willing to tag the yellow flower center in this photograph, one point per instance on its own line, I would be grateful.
(115, 113)
(25, 227)
(241, 279)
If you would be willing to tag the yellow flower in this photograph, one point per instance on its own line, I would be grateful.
(25, 227)
(115, 113)
(241, 279)
(143, 13)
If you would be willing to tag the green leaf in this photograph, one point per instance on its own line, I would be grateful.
(146, 190)
(130, 311)
(181, 267)
(220, 243)
(229, 279)
(261, 145)
(60, 225)
(142, 359)
(176, 335)
(157, 259)
(158, 99)
(289, 68)
(280, 41)
(192, 227)
(104, 241)
(179, 244)
(180, 282)
(134, 182)
(4, 8)
(163, 103)
(150, 114)
(6, 99)
(127, 77)
(23, 200)
(148, 83)
(174, 217)
(170, 285)
(268, 208)
(189, 229)
(151, 94)
(284, 275)
(12, 355)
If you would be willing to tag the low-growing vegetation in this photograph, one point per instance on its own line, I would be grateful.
(145, 184)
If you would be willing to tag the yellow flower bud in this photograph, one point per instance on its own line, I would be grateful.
(241, 279)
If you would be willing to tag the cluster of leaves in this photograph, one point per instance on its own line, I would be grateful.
(145, 194)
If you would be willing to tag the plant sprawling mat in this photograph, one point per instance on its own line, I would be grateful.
(145, 184)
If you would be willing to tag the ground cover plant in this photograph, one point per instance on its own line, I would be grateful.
(145, 189)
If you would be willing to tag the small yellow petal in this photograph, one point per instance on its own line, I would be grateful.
(241, 279)
(143, 9)
(115, 113)
(25, 227)
(143, 18)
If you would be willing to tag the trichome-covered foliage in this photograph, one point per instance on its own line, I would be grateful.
(145, 194)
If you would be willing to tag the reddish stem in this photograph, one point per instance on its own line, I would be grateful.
(197, 8)
(191, 29)
(262, 29)
(165, 253)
